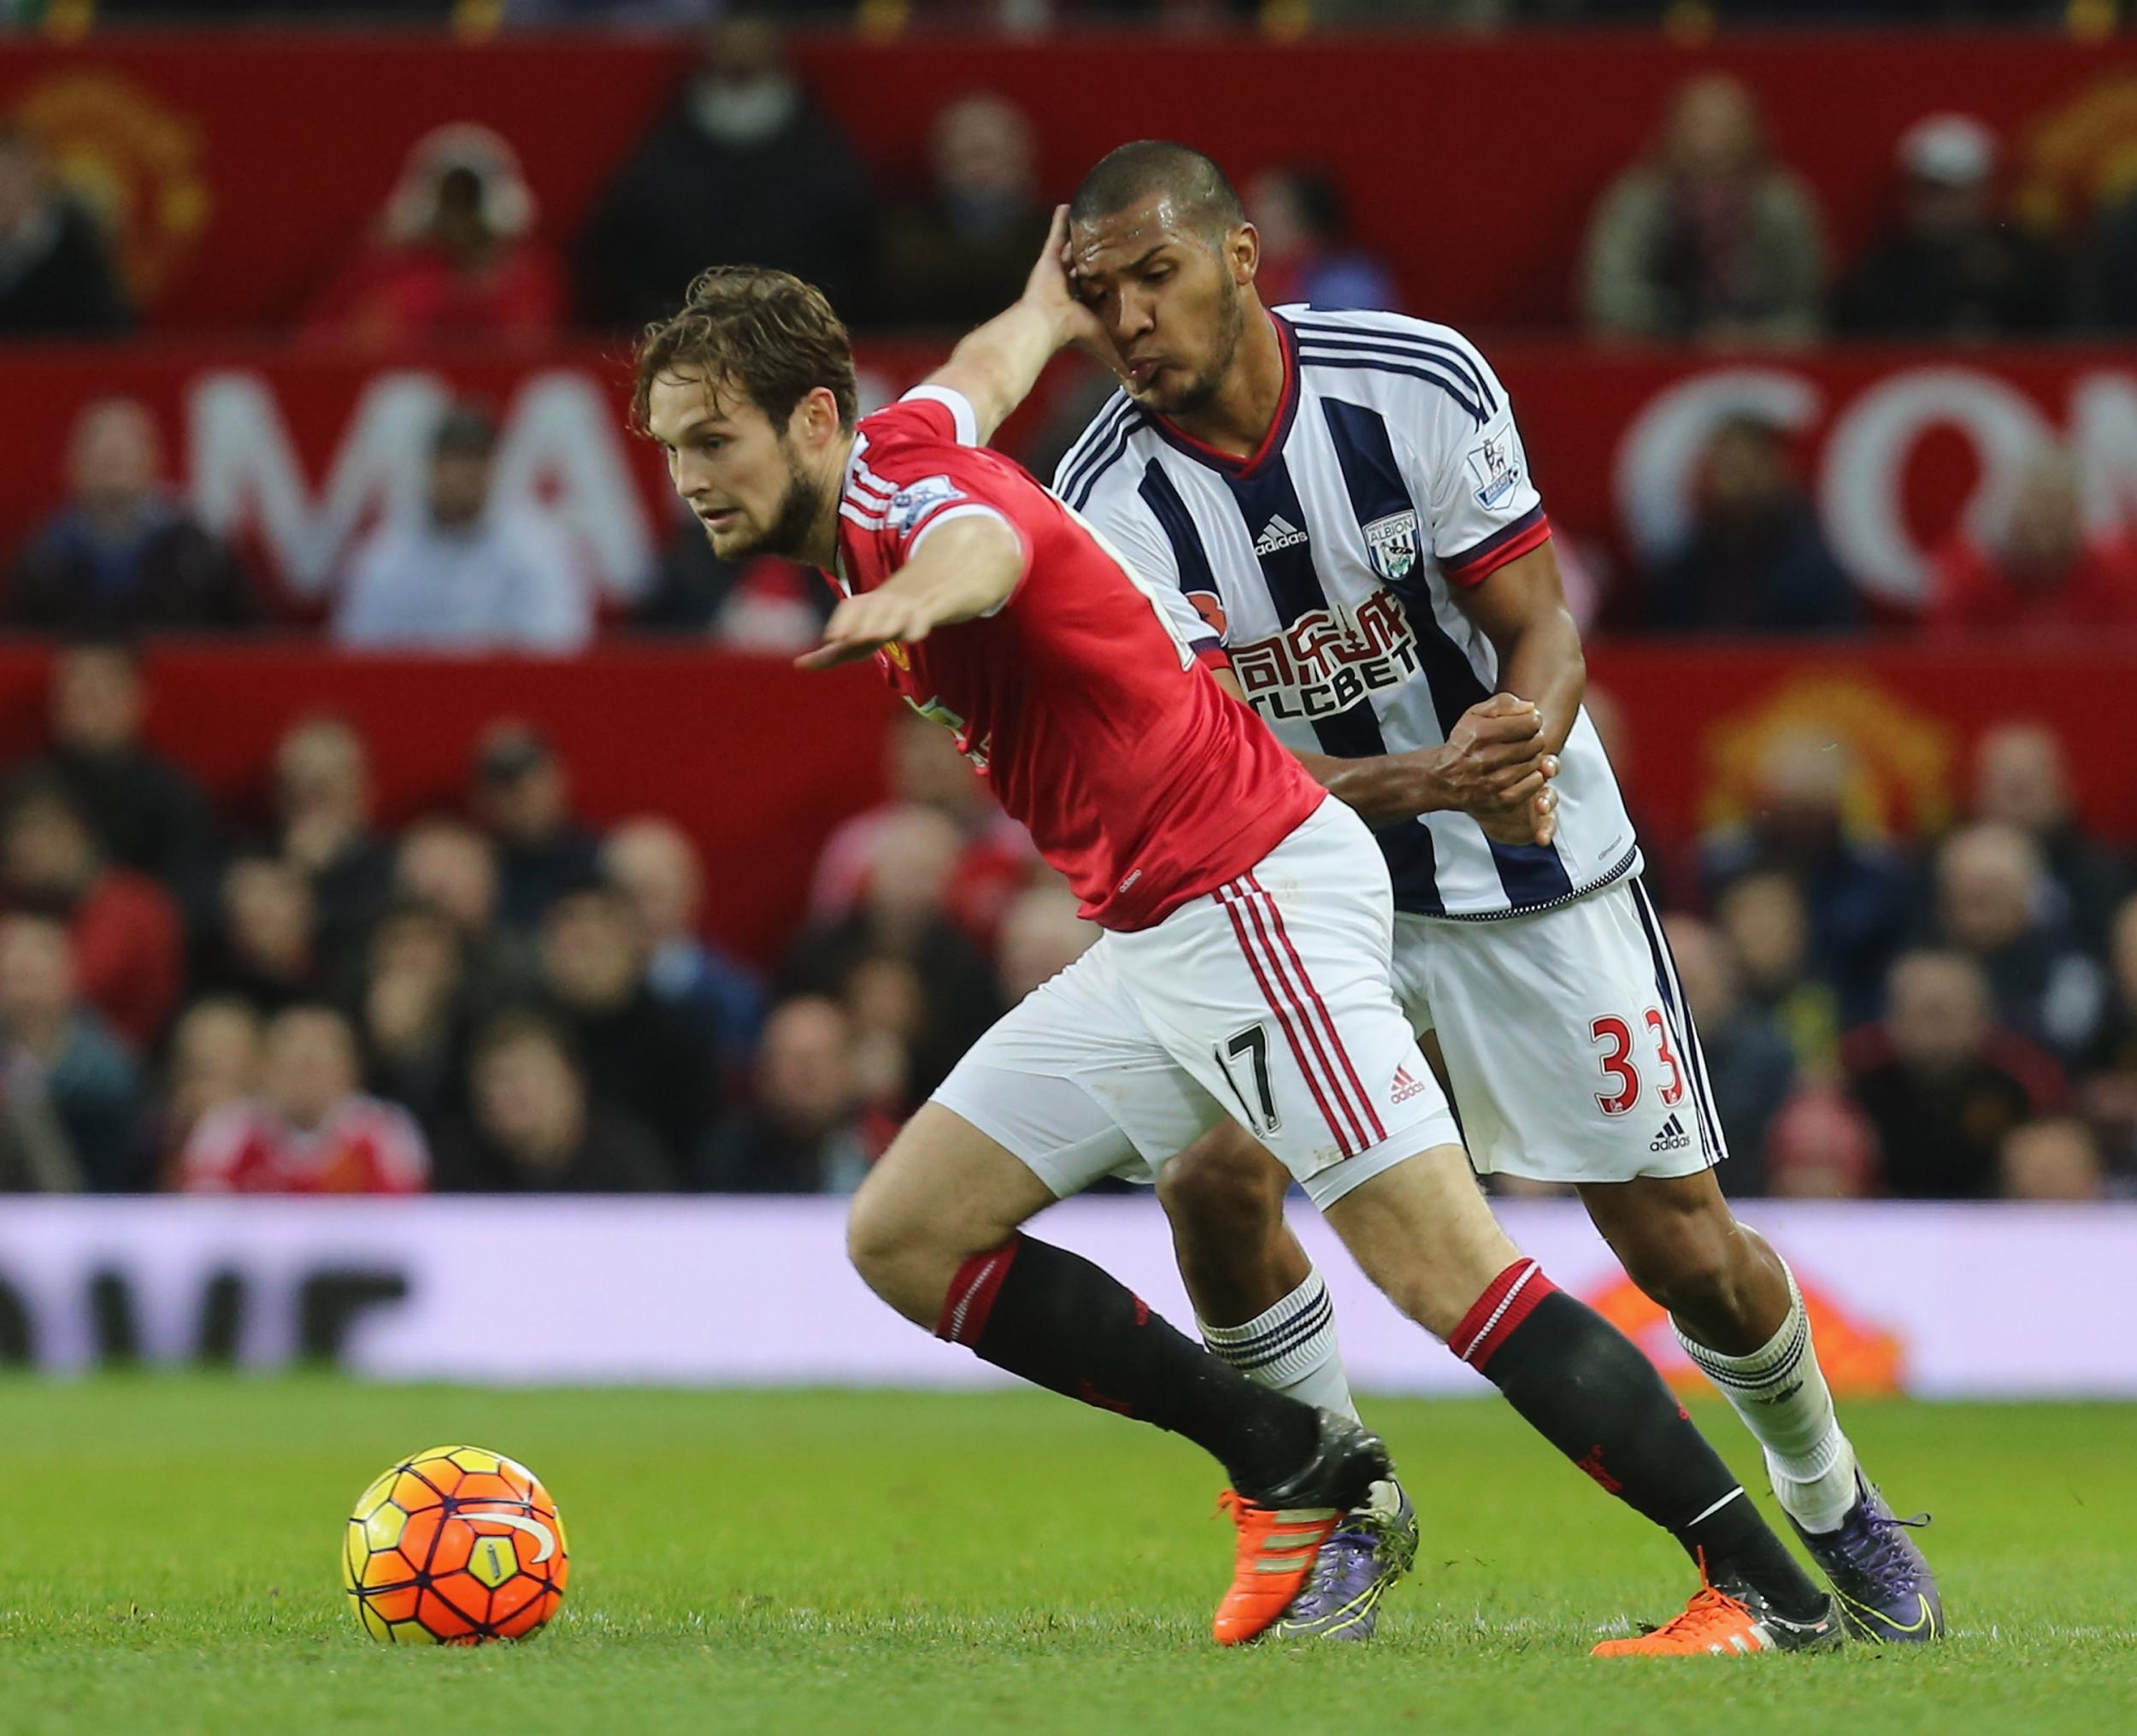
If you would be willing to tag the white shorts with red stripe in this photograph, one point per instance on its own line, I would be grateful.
(1269, 1000)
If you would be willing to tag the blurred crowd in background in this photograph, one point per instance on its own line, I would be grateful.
(1708, 241)
(498, 997)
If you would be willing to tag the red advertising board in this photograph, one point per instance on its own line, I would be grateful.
(297, 448)
(243, 167)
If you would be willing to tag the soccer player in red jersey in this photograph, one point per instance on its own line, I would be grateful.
(1243, 971)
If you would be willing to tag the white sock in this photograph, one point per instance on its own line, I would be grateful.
(1292, 1348)
(1780, 1391)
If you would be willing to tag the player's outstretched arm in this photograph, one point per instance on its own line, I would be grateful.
(964, 568)
(996, 365)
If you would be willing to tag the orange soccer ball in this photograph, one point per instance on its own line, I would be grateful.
(454, 1546)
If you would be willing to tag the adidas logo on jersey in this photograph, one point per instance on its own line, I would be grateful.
(1405, 1086)
(1279, 532)
(1673, 1137)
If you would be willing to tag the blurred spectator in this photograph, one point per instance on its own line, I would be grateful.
(413, 1008)
(323, 805)
(744, 169)
(1767, 927)
(472, 574)
(802, 1133)
(1942, 1083)
(455, 257)
(128, 940)
(214, 1060)
(147, 813)
(1307, 253)
(536, 1130)
(1821, 1146)
(1854, 889)
(960, 254)
(613, 14)
(1041, 936)
(657, 868)
(2111, 286)
(922, 767)
(2108, 1071)
(124, 554)
(448, 865)
(310, 1130)
(2021, 779)
(1755, 560)
(56, 277)
(1995, 904)
(59, 1051)
(265, 952)
(1710, 239)
(2056, 1160)
(639, 1052)
(1749, 1064)
(522, 798)
(903, 920)
(762, 604)
(1948, 267)
(2040, 568)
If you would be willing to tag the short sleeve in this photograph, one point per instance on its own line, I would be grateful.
(964, 423)
(1484, 505)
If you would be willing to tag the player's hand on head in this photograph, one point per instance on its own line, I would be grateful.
(1052, 287)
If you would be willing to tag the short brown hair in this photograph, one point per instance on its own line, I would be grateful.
(766, 332)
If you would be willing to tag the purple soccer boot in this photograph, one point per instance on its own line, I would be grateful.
(1887, 1593)
(1371, 1550)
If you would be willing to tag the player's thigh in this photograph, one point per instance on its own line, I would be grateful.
(1274, 993)
(1568, 1049)
(943, 1192)
(1423, 1231)
(1226, 1190)
(1072, 1082)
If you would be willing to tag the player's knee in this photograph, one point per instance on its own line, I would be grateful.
(1224, 1190)
(892, 1249)
(1692, 1267)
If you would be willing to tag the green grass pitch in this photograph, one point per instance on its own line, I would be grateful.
(885, 1563)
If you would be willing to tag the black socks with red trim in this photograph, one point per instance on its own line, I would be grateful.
(1057, 1320)
(1585, 1388)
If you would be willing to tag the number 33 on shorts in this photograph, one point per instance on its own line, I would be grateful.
(1613, 1037)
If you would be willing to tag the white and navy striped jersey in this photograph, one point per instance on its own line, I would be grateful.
(1326, 564)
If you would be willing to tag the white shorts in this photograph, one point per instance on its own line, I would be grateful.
(1569, 1049)
(1269, 1001)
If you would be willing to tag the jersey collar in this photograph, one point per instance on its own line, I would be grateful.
(1278, 429)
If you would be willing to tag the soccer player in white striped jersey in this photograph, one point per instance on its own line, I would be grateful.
(1344, 500)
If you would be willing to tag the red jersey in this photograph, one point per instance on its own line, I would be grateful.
(363, 1146)
(1137, 777)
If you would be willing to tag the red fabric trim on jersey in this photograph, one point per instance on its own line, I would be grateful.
(972, 1293)
(1335, 1036)
(1226, 896)
(1479, 564)
(1213, 656)
(1508, 1300)
(1279, 429)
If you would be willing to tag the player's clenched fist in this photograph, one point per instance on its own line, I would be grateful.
(1495, 759)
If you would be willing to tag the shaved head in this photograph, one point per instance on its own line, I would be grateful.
(1201, 195)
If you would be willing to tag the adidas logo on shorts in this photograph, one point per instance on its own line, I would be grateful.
(1673, 1137)
(1405, 1086)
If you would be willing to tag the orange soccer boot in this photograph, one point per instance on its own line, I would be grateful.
(1731, 1619)
(1280, 1534)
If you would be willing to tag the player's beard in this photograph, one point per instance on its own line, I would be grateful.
(1199, 391)
(788, 535)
